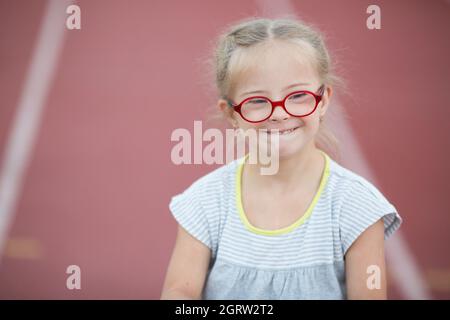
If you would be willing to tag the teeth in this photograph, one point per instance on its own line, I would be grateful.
(288, 131)
(285, 131)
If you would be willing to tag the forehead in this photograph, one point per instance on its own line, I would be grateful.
(272, 66)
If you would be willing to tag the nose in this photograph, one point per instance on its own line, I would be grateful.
(279, 114)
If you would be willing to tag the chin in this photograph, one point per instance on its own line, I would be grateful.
(286, 152)
(288, 146)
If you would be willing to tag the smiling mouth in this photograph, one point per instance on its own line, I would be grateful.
(283, 132)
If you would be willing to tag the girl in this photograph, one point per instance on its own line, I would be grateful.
(313, 230)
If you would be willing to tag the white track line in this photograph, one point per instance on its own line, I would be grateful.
(24, 129)
(402, 265)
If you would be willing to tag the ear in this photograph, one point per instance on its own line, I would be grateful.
(227, 111)
(326, 98)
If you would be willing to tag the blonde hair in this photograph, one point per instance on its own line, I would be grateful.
(253, 32)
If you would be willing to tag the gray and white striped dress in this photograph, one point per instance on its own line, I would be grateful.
(302, 261)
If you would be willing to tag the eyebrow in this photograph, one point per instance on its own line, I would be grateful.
(288, 87)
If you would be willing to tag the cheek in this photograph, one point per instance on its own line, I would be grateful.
(307, 132)
(244, 125)
(311, 124)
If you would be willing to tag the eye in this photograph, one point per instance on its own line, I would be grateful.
(297, 96)
(257, 101)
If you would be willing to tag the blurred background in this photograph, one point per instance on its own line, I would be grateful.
(86, 118)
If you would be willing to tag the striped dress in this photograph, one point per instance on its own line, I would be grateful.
(304, 260)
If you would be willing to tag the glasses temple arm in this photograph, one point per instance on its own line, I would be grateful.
(230, 103)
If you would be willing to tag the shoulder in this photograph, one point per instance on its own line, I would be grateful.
(358, 204)
(351, 186)
(201, 206)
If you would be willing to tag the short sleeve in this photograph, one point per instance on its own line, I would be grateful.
(189, 213)
(362, 206)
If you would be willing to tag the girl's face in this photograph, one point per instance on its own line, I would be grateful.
(276, 72)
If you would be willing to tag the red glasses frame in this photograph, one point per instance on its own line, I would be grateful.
(280, 103)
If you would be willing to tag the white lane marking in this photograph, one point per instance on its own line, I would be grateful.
(25, 127)
(402, 265)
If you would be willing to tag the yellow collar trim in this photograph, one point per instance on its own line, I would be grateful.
(294, 225)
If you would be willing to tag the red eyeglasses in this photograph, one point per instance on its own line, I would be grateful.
(297, 104)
